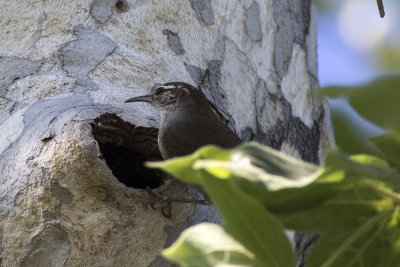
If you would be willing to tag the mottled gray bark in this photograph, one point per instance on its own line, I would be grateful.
(71, 152)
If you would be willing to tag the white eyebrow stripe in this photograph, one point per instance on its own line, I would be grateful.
(168, 86)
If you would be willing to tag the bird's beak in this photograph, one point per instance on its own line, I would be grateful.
(143, 98)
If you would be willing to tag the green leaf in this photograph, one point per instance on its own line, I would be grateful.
(245, 218)
(181, 167)
(352, 133)
(255, 169)
(265, 165)
(377, 102)
(208, 244)
(351, 200)
(389, 144)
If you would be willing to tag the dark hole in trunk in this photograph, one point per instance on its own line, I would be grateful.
(125, 148)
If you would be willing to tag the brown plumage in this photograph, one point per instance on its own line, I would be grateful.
(187, 120)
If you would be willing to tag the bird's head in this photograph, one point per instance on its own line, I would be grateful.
(170, 95)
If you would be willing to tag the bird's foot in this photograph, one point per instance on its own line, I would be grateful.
(180, 200)
(166, 210)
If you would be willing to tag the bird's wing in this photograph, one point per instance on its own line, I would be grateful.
(165, 153)
(173, 143)
(183, 139)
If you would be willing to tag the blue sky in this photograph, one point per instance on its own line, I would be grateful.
(350, 33)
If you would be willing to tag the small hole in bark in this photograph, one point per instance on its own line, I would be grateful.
(125, 147)
(122, 5)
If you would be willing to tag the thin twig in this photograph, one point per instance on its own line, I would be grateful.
(381, 8)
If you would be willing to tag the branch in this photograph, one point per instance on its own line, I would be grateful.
(381, 8)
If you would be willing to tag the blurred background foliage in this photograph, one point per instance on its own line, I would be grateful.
(359, 69)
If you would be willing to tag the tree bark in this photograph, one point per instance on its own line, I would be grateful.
(72, 182)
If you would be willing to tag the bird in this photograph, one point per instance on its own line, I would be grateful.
(187, 121)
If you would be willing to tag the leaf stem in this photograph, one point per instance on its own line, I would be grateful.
(369, 241)
(353, 238)
(384, 191)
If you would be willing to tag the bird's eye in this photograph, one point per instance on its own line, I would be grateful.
(159, 90)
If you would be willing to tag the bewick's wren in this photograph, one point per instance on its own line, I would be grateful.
(187, 120)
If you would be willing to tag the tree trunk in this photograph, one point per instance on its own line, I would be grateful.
(72, 182)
